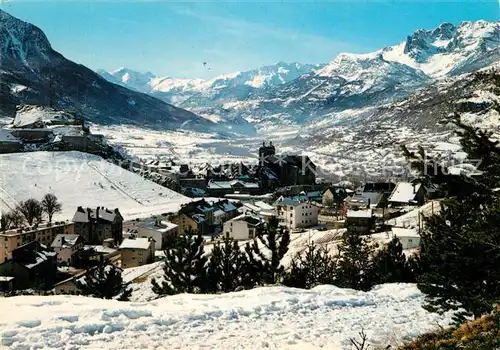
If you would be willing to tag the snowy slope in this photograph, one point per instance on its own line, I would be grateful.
(80, 179)
(274, 317)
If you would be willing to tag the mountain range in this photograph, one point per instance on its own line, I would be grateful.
(299, 93)
(33, 73)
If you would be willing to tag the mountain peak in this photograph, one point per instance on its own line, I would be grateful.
(22, 41)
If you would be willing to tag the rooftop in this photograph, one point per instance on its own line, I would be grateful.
(135, 243)
(404, 192)
(65, 241)
(34, 228)
(405, 232)
(100, 213)
(360, 213)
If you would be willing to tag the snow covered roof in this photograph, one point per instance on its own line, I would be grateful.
(264, 205)
(135, 243)
(404, 192)
(168, 225)
(231, 184)
(100, 213)
(405, 232)
(288, 202)
(100, 249)
(6, 278)
(65, 241)
(360, 213)
(6, 136)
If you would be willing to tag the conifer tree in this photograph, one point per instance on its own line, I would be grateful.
(265, 267)
(354, 267)
(460, 245)
(185, 266)
(226, 266)
(314, 268)
(104, 281)
(390, 264)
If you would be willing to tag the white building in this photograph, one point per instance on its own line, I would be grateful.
(242, 227)
(297, 214)
(409, 238)
(159, 230)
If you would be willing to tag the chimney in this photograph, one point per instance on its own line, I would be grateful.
(97, 213)
(63, 240)
(80, 209)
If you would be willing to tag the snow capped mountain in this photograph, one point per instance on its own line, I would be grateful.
(32, 73)
(449, 49)
(203, 93)
(295, 94)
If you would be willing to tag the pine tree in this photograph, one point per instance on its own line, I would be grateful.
(390, 264)
(460, 246)
(354, 267)
(185, 266)
(226, 266)
(104, 281)
(314, 268)
(265, 267)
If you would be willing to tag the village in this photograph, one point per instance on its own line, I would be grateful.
(51, 256)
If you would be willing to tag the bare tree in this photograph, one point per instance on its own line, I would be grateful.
(4, 221)
(16, 218)
(50, 205)
(31, 210)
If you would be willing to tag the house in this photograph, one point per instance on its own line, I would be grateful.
(65, 245)
(407, 193)
(365, 200)
(96, 225)
(333, 196)
(409, 238)
(69, 285)
(33, 265)
(222, 188)
(42, 233)
(137, 251)
(9, 143)
(379, 187)
(6, 284)
(90, 255)
(159, 230)
(295, 214)
(196, 216)
(242, 227)
(360, 221)
(224, 210)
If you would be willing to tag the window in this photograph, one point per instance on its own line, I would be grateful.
(133, 258)
(409, 241)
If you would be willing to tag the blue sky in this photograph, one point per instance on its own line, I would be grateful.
(174, 38)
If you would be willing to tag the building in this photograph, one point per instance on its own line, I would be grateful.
(360, 221)
(33, 265)
(137, 252)
(6, 284)
(69, 286)
(96, 225)
(295, 214)
(222, 188)
(9, 143)
(364, 200)
(407, 193)
(42, 233)
(65, 245)
(90, 255)
(409, 238)
(289, 169)
(159, 230)
(334, 196)
(196, 216)
(243, 227)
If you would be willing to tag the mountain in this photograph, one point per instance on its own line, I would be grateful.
(306, 94)
(32, 72)
(204, 93)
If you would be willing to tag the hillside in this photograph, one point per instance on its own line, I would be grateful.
(31, 72)
(273, 317)
(80, 179)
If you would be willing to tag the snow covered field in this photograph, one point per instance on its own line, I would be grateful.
(263, 318)
(80, 179)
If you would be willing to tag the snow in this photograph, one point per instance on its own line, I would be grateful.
(272, 317)
(133, 273)
(135, 243)
(405, 232)
(404, 192)
(360, 213)
(6, 136)
(80, 179)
